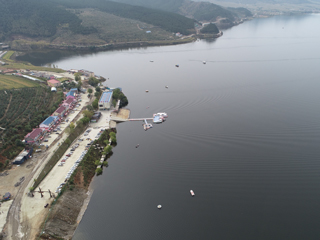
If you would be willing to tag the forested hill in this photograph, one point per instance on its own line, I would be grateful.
(38, 18)
(167, 20)
(35, 18)
(201, 11)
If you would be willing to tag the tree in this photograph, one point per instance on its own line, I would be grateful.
(105, 163)
(89, 107)
(98, 89)
(77, 76)
(72, 126)
(85, 120)
(97, 94)
(93, 81)
(87, 113)
(68, 141)
(27, 128)
(97, 162)
(107, 149)
(95, 104)
(19, 143)
(99, 171)
(79, 84)
(113, 137)
(90, 90)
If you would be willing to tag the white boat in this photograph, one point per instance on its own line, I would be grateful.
(177, 65)
(147, 90)
(147, 126)
(204, 62)
(167, 86)
(192, 193)
(162, 114)
(159, 206)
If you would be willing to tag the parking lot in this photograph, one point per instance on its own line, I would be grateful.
(70, 160)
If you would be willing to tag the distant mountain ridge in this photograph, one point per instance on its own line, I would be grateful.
(35, 24)
(200, 11)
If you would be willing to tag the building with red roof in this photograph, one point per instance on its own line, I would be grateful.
(54, 83)
(60, 111)
(34, 136)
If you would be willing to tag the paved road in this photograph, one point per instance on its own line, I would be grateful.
(13, 221)
(16, 231)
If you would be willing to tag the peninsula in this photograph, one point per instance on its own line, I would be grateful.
(46, 182)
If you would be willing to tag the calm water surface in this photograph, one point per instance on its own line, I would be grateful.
(243, 132)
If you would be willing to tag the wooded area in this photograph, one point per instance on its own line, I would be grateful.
(36, 18)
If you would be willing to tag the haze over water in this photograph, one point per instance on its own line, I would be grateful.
(243, 132)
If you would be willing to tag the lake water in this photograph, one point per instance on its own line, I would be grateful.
(243, 132)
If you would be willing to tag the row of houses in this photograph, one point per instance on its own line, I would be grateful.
(49, 123)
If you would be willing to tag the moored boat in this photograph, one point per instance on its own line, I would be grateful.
(192, 193)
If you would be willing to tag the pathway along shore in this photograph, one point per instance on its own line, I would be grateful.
(66, 213)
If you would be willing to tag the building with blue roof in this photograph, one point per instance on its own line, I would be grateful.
(74, 90)
(70, 94)
(105, 100)
(48, 122)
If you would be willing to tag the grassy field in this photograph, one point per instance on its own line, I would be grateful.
(20, 65)
(12, 64)
(10, 82)
(7, 56)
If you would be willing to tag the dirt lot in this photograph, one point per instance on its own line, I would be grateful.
(63, 219)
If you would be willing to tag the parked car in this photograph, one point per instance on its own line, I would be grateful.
(46, 140)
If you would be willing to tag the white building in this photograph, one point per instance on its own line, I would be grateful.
(105, 101)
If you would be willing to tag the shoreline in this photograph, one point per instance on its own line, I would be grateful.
(81, 194)
(23, 45)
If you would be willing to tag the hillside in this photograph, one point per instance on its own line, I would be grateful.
(33, 24)
(265, 8)
(200, 11)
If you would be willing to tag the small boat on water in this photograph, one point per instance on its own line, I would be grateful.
(159, 206)
(147, 90)
(137, 145)
(167, 86)
(177, 65)
(204, 62)
(192, 193)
